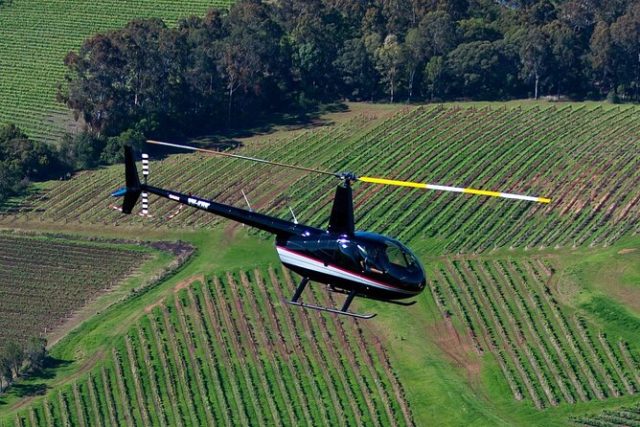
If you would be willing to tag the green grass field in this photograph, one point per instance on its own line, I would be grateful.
(212, 348)
(584, 157)
(195, 358)
(531, 316)
(32, 51)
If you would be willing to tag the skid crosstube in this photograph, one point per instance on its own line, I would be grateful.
(345, 306)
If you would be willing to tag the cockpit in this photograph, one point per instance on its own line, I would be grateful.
(382, 255)
(376, 256)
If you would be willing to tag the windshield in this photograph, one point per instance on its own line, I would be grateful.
(379, 258)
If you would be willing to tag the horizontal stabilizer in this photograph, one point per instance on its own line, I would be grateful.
(119, 192)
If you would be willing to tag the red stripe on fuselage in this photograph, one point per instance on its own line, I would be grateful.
(404, 291)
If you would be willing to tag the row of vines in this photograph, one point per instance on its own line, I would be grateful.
(624, 417)
(582, 158)
(35, 36)
(223, 351)
(547, 354)
(44, 281)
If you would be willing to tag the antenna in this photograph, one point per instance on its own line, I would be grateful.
(246, 200)
(295, 220)
(145, 195)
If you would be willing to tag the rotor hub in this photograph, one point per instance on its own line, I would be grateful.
(348, 176)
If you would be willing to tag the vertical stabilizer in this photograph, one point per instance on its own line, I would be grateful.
(341, 220)
(132, 181)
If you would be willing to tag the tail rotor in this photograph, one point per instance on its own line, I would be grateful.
(145, 195)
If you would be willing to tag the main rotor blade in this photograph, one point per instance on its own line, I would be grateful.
(368, 179)
(452, 189)
(238, 156)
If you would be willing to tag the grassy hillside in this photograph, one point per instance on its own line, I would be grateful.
(216, 347)
(35, 36)
(504, 334)
(547, 354)
(584, 158)
(496, 340)
(223, 350)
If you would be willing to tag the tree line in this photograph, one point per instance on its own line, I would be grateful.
(230, 66)
(18, 359)
(23, 160)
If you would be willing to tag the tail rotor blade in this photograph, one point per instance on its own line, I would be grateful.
(437, 187)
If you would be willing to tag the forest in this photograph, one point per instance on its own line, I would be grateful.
(230, 67)
(258, 57)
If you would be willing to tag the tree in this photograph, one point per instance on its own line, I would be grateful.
(5, 370)
(540, 13)
(389, 62)
(357, 70)
(578, 14)
(435, 35)
(313, 37)
(35, 353)
(121, 77)
(415, 46)
(95, 82)
(602, 57)
(457, 9)
(565, 67)
(533, 56)
(483, 70)
(204, 94)
(478, 29)
(32, 158)
(625, 35)
(434, 70)
(14, 357)
(398, 15)
(82, 151)
(250, 57)
(113, 151)
(22, 160)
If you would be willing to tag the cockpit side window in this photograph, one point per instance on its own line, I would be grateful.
(396, 256)
(372, 258)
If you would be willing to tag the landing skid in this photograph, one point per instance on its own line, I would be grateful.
(347, 303)
(332, 310)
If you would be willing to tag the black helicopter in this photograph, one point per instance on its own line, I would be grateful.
(352, 262)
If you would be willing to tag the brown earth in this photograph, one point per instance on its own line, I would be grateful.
(181, 285)
(459, 349)
(626, 251)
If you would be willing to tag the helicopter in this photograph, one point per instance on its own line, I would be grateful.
(351, 262)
